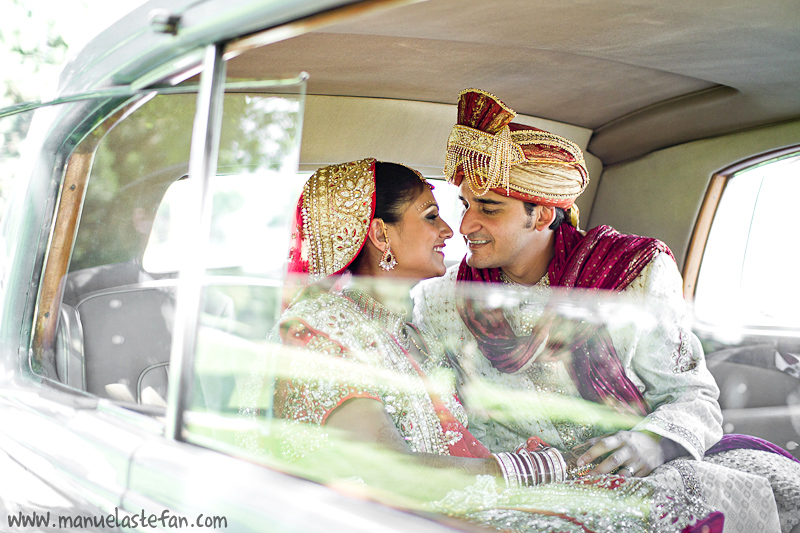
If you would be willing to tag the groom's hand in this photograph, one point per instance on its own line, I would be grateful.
(628, 453)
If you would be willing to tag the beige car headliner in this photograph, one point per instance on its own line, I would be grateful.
(642, 75)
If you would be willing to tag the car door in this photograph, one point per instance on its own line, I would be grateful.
(740, 274)
(127, 324)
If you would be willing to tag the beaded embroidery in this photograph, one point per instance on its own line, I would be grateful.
(392, 321)
(687, 435)
(336, 212)
(382, 371)
(683, 359)
(486, 158)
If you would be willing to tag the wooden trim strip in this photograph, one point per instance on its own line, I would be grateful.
(700, 236)
(70, 205)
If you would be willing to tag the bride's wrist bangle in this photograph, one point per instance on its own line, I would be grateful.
(507, 468)
(525, 468)
(559, 465)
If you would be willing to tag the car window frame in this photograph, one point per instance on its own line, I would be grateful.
(708, 209)
(203, 158)
(97, 106)
(63, 216)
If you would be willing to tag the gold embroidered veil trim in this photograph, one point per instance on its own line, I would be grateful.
(338, 204)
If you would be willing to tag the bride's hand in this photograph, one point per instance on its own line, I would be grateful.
(571, 459)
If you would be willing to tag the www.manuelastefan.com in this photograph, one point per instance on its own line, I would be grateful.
(115, 520)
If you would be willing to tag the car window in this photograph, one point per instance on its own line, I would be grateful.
(252, 199)
(747, 272)
(745, 298)
(119, 295)
(450, 209)
(108, 301)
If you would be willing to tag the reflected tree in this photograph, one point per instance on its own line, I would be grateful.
(147, 152)
(31, 52)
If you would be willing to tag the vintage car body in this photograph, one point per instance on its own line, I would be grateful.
(668, 101)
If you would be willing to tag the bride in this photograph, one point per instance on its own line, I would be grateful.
(354, 374)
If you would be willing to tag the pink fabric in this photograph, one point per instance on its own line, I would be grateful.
(601, 259)
(735, 441)
(713, 523)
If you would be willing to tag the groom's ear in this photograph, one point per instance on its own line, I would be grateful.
(375, 234)
(544, 217)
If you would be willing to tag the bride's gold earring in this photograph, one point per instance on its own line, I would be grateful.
(388, 260)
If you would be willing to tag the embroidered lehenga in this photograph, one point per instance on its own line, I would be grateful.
(343, 344)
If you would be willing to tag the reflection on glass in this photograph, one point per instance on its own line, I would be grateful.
(326, 351)
(347, 392)
(13, 130)
(253, 197)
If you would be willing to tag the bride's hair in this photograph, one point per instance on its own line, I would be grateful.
(395, 186)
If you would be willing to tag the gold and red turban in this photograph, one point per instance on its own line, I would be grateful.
(523, 162)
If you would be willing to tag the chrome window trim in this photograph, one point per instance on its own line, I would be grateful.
(203, 157)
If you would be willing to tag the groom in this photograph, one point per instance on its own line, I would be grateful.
(518, 185)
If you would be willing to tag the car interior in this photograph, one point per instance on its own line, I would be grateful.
(669, 101)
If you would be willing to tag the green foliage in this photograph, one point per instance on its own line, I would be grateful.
(35, 39)
(31, 52)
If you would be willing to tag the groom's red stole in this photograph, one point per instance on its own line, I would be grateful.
(601, 259)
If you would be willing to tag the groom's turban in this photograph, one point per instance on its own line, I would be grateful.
(523, 162)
